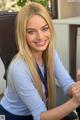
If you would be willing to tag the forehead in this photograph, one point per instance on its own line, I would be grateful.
(36, 21)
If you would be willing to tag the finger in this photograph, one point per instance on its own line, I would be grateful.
(76, 84)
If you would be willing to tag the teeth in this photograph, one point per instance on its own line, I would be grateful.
(40, 43)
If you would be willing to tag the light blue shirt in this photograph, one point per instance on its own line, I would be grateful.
(21, 96)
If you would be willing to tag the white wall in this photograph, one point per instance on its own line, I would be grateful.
(62, 43)
(68, 9)
(78, 49)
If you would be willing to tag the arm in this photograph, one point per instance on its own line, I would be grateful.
(20, 78)
(78, 74)
(78, 79)
(63, 77)
(22, 81)
(59, 112)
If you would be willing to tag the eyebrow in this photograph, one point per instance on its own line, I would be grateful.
(46, 25)
(34, 28)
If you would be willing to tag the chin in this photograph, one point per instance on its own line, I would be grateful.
(42, 49)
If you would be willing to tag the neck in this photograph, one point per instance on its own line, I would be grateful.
(38, 58)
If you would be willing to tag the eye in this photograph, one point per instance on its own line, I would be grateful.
(30, 32)
(45, 28)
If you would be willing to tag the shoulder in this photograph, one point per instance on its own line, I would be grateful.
(56, 57)
(18, 64)
(17, 67)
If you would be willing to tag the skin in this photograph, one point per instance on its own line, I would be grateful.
(77, 79)
(78, 75)
(38, 37)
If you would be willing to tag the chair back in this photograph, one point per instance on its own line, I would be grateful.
(8, 46)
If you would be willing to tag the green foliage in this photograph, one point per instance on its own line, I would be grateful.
(21, 2)
(43, 2)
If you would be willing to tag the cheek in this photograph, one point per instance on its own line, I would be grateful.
(29, 39)
(49, 34)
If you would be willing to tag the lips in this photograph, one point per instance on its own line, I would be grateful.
(40, 43)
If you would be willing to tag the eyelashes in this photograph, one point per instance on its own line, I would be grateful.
(32, 31)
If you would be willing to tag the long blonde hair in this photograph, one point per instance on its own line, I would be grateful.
(24, 51)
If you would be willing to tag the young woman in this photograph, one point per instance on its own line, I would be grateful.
(30, 92)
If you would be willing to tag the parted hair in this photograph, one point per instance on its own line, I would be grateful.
(23, 16)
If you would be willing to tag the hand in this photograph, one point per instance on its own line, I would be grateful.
(76, 92)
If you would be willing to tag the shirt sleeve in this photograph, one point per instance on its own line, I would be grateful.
(22, 81)
(61, 74)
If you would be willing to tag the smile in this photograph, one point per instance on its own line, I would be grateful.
(41, 43)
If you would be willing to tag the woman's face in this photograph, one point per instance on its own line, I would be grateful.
(37, 33)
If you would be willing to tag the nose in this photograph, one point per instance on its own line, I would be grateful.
(40, 35)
